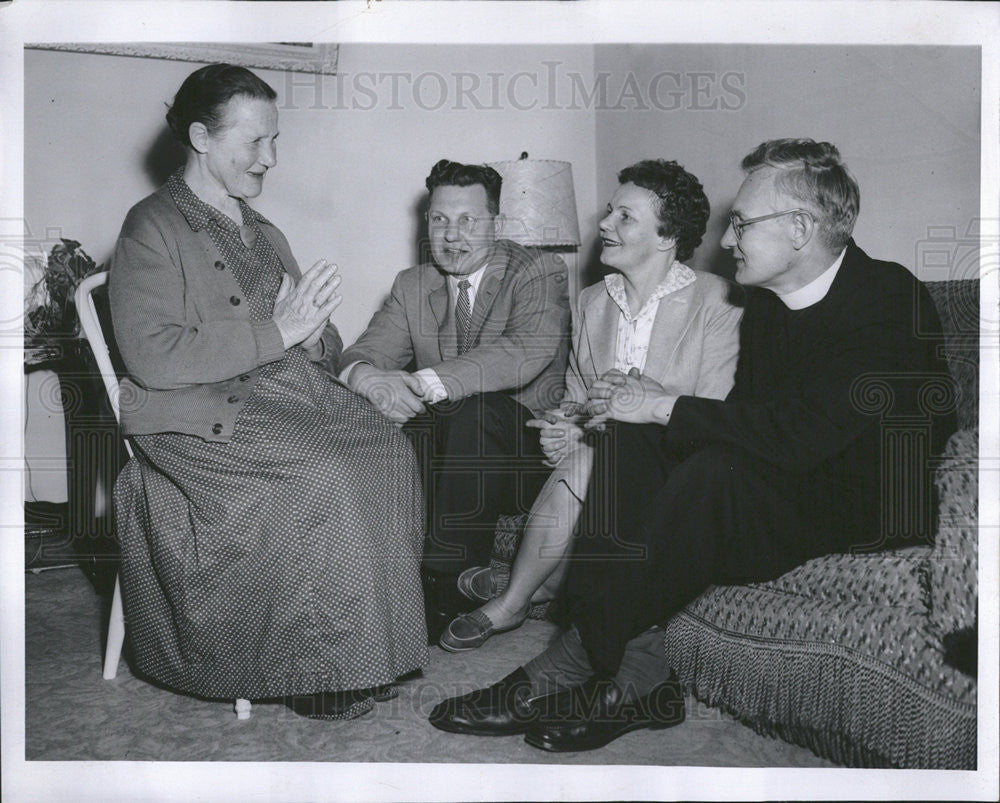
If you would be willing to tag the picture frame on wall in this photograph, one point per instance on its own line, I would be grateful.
(308, 57)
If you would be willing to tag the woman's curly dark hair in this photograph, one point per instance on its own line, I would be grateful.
(683, 209)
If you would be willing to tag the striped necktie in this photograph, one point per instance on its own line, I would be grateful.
(463, 316)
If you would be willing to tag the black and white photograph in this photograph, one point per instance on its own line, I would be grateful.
(500, 401)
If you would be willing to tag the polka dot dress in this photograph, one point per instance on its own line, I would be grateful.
(287, 560)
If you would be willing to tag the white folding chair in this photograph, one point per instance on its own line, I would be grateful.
(90, 323)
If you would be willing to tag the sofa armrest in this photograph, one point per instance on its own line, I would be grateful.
(954, 560)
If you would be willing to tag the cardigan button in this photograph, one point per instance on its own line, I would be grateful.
(234, 300)
(220, 265)
(217, 428)
(233, 399)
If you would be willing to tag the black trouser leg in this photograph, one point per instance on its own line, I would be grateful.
(481, 462)
(658, 529)
(478, 461)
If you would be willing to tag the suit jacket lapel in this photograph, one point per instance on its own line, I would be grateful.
(489, 289)
(437, 299)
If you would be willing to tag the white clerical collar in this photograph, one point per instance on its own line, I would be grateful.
(816, 290)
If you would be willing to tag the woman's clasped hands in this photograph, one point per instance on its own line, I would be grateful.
(559, 431)
(630, 398)
(302, 310)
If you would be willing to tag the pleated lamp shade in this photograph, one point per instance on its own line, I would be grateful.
(538, 202)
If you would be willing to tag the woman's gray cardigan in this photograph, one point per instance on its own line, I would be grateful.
(183, 325)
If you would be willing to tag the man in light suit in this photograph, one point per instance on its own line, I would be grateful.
(463, 352)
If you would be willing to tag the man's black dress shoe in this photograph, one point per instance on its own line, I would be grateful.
(596, 715)
(503, 709)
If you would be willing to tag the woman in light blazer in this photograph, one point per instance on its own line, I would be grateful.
(652, 316)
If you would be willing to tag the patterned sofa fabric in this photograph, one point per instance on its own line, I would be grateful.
(954, 568)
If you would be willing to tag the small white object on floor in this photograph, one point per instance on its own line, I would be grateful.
(242, 709)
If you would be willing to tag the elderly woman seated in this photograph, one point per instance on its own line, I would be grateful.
(652, 316)
(271, 520)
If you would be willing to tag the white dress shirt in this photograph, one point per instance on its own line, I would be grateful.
(634, 331)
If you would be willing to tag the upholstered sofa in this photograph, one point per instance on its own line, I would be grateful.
(868, 659)
(846, 654)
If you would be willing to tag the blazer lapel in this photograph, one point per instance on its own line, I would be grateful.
(673, 317)
(600, 328)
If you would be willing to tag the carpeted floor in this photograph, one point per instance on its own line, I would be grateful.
(73, 714)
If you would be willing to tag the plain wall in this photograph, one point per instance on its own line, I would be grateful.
(906, 121)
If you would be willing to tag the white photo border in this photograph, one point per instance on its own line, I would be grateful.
(821, 22)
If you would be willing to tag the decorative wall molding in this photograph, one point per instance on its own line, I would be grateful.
(309, 57)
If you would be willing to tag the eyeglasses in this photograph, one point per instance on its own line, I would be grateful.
(466, 223)
(738, 225)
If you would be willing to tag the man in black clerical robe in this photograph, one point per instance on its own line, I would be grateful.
(795, 463)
